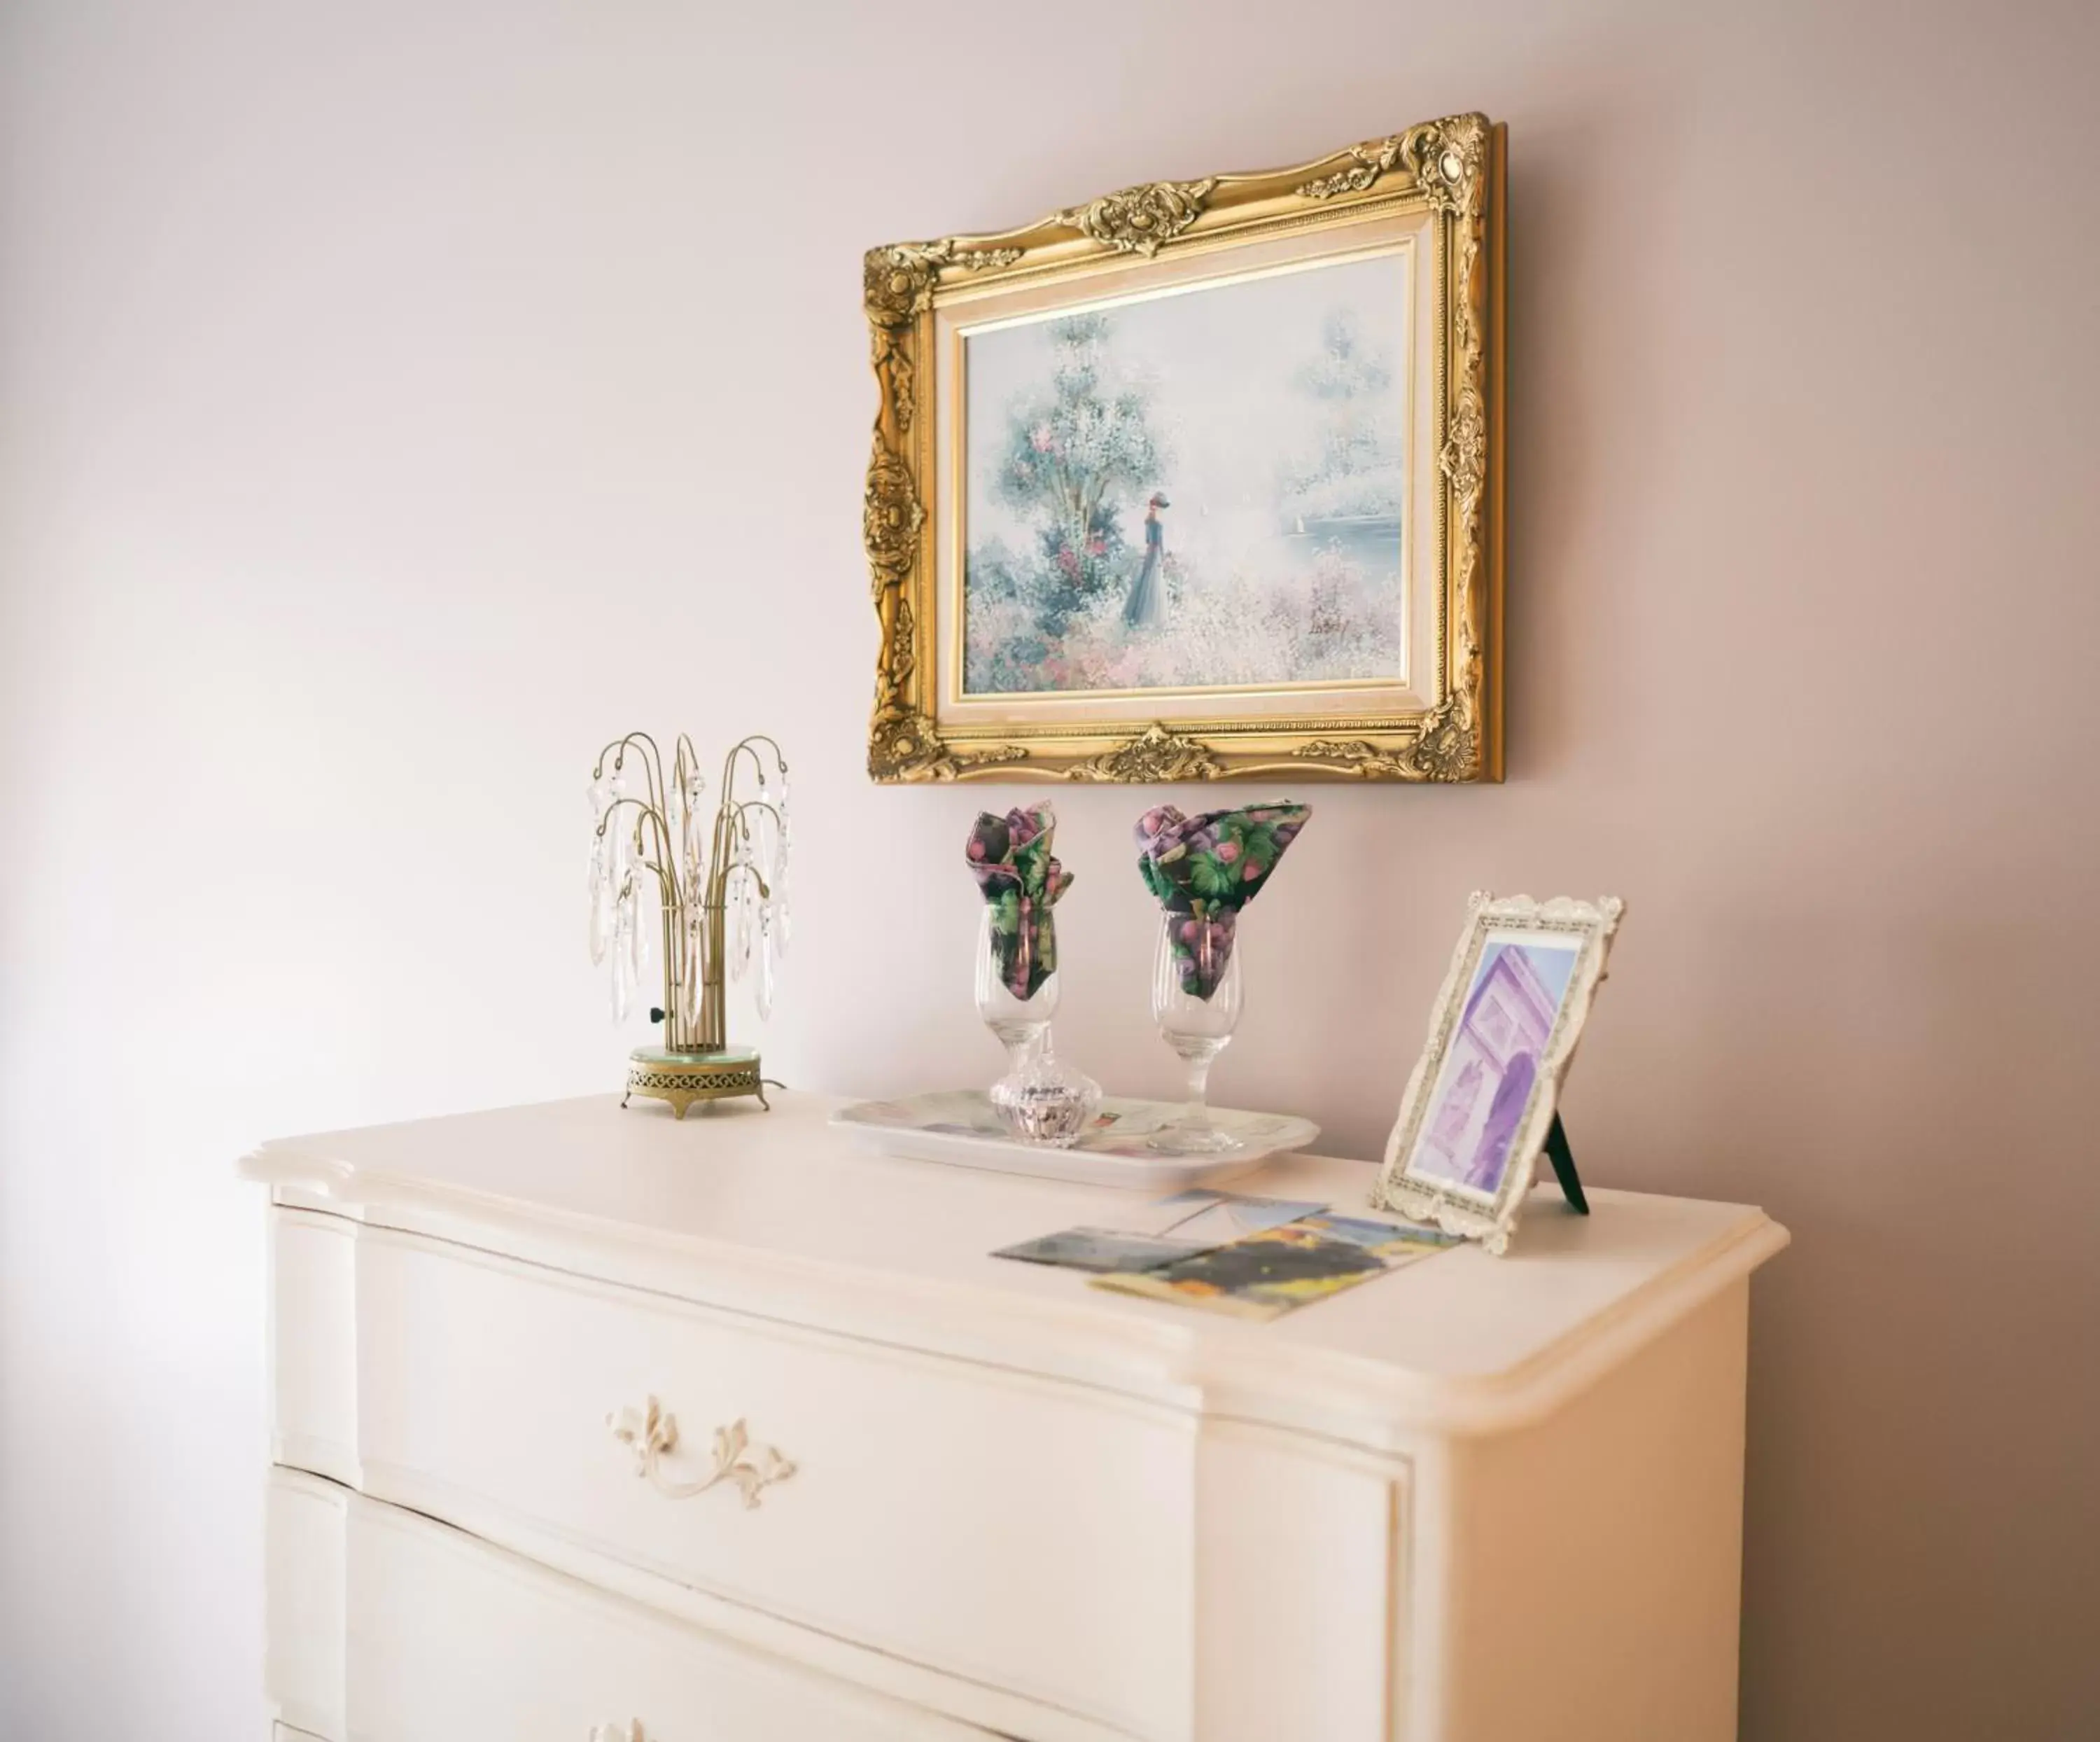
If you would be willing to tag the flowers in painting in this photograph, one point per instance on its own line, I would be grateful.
(1021, 881)
(1206, 868)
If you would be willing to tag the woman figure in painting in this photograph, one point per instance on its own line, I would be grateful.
(1147, 602)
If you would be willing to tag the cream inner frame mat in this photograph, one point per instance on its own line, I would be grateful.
(964, 312)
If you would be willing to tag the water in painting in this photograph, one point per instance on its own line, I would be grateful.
(1491, 1065)
(1201, 488)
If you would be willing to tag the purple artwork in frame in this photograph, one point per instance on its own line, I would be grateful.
(1492, 1066)
(1482, 1096)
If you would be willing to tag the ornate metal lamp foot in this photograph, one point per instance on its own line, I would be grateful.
(681, 1078)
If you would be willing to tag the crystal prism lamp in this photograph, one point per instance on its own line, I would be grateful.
(652, 834)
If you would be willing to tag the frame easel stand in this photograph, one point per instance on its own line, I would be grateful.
(1562, 1159)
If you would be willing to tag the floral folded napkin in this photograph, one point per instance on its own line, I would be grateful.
(1010, 856)
(1209, 867)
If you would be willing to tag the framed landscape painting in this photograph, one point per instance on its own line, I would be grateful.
(1200, 480)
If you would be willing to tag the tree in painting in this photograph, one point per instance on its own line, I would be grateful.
(1087, 436)
(1352, 469)
(1073, 449)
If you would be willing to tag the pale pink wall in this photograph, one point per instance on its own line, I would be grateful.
(397, 398)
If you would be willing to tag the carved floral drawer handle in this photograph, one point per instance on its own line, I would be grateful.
(651, 1433)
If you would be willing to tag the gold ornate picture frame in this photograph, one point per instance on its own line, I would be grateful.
(1423, 422)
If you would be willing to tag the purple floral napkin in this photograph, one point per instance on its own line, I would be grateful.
(1010, 856)
(1209, 867)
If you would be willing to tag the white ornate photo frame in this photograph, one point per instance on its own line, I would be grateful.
(1406, 1184)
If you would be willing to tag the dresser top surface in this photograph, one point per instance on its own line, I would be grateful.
(782, 1200)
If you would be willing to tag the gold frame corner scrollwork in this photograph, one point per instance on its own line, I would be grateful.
(1454, 167)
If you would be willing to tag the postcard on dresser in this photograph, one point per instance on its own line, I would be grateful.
(1149, 1235)
(1266, 1274)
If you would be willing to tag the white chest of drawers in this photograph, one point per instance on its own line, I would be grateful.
(896, 1488)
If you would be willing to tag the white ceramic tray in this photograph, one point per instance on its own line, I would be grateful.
(959, 1126)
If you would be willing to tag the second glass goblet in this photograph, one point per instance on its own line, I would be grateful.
(1019, 1021)
(1192, 954)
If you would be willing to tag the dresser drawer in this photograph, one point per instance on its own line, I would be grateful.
(1016, 1535)
(448, 1638)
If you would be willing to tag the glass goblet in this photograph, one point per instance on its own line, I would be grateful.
(1192, 954)
(1019, 1018)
